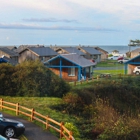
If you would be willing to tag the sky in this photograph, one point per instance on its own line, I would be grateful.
(69, 22)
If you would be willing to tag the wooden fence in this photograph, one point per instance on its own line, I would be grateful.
(98, 77)
(33, 115)
(84, 81)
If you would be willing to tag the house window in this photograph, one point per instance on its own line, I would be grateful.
(71, 72)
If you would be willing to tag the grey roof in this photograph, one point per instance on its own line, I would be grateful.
(77, 59)
(91, 50)
(73, 50)
(43, 51)
(9, 47)
(22, 47)
(8, 51)
(98, 48)
(136, 50)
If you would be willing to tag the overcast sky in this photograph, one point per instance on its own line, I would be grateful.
(69, 22)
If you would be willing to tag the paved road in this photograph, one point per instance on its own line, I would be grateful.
(33, 132)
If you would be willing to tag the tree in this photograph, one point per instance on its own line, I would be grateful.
(134, 43)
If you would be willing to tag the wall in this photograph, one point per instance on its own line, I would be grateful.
(65, 74)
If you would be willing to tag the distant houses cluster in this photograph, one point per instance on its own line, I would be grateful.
(71, 63)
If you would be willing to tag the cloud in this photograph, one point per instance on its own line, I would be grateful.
(124, 10)
(49, 20)
(53, 6)
(7, 38)
(67, 28)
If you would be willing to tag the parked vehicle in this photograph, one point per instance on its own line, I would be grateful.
(113, 57)
(120, 58)
(10, 128)
(3, 138)
(136, 70)
(123, 60)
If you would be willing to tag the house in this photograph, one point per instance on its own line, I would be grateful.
(115, 53)
(71, 67)
(22, 47)
(13, 48)
(131, 64)
(67, 50)
(33, 53)
(91, 53)
(104, 53)
(9, 55)
(133, 53)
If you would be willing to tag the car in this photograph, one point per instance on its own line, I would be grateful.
(136, 70)
(120, 58)
(10, 128)
(123, 60)
(113, 57)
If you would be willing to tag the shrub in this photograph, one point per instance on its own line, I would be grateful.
(71, 127)
(30, 78)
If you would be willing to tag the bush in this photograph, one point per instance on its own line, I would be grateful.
(31, 78)
(71, 127)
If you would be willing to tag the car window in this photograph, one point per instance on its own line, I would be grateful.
(1, 119)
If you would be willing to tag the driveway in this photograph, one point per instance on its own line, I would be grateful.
(32, 131)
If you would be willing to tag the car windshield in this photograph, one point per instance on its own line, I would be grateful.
(1, 116)
(1, 119)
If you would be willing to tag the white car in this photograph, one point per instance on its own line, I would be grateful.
(136, 70)
(123, 60)
(113, 57)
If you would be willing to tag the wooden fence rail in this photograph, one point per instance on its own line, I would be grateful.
(97, 77)
(33, 115)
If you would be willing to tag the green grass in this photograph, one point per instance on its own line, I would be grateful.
(109, 63)
(112, 72)
(43, 105)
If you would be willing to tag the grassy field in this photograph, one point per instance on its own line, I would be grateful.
(44, 105)
(109, 63)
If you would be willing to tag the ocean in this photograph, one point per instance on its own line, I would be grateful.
(121, 49)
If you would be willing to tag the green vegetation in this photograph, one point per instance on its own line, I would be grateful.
(106, 109)
(109, 63)
(30, 78)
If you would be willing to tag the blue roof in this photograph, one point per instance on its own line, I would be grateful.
(132, 59)
(75, 59)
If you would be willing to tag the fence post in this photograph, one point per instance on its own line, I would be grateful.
(92, 78)
(97, 77)
(1, 103)
(47, 122)
(17, 109)
(81, 82)
(87, 79)
(61, 129)
(70, 136)
(74, 83)
(32, 114)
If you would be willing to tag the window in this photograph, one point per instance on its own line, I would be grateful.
(71, 72)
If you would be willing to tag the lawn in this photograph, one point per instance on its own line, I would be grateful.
(109, 63)
(43, 105)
